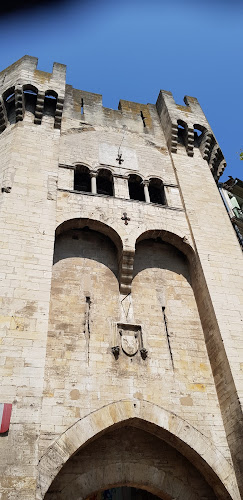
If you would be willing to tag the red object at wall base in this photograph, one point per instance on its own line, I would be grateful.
(5, 415)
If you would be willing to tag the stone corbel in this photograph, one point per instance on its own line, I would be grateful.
(217, 162)
(115, 351)
(39, 108)
(221, 167)
(213, 155)
(190, 141)
(126, 270)
(19, 103)
(206, 145)
(173, 138)
(58, 112)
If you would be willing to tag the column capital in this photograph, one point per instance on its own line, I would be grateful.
(145, 182)
(146, 190)
(93, 173)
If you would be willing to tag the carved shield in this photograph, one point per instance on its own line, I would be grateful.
(129, 344)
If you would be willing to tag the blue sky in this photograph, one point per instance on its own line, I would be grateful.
(131, 49)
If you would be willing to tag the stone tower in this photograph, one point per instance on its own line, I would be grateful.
(121, 297)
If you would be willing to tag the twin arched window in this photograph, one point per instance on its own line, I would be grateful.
(101, 182)
(182, 133)
(149, 191)
(28, 102)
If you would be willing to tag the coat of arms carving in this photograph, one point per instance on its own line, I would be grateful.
(130, 339)
(129, 342)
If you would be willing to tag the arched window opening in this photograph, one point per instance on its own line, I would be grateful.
(198, 135)
(156, 191)
(181, 132)
(30, 98)
(105, 182)
(50, 103)
(82, 181)
(9, 101)
(136, 189)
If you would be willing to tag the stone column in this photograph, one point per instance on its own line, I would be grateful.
(93, 175)
(146, 191)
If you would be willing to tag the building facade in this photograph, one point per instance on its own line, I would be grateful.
(121, 297)
(232, 195)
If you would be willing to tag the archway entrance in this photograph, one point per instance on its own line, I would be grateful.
(131, 457)
(66, 470)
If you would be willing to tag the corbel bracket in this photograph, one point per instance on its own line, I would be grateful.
(126, 270)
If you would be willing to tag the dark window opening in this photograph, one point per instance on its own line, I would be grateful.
(104, 182)
(82, 106)
(136, 189)
(9, 101)
(82, 180)
(30, 98)
(181, 134)
(50, 103)
(156, 192)
(198, 135)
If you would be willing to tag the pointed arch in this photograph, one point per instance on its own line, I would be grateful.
(174, 239)
(93, 224)
(162, 423)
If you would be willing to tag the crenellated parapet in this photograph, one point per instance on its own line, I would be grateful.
(24, 88)
(188, 126)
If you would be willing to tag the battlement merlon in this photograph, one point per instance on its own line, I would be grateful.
(191, 112)
(190, 118)
(23, 76)
(25, 72)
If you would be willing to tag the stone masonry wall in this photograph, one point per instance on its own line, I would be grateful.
(27, 238)
(111, 301)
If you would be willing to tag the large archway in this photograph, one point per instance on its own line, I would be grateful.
(171, 432)
(132, 457)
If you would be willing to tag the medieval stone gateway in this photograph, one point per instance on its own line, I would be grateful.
(121, 299)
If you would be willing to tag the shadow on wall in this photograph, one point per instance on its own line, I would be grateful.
(86, 244)
(155, 253)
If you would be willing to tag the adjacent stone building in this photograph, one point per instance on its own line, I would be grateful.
(121, 297)
(232, 194)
